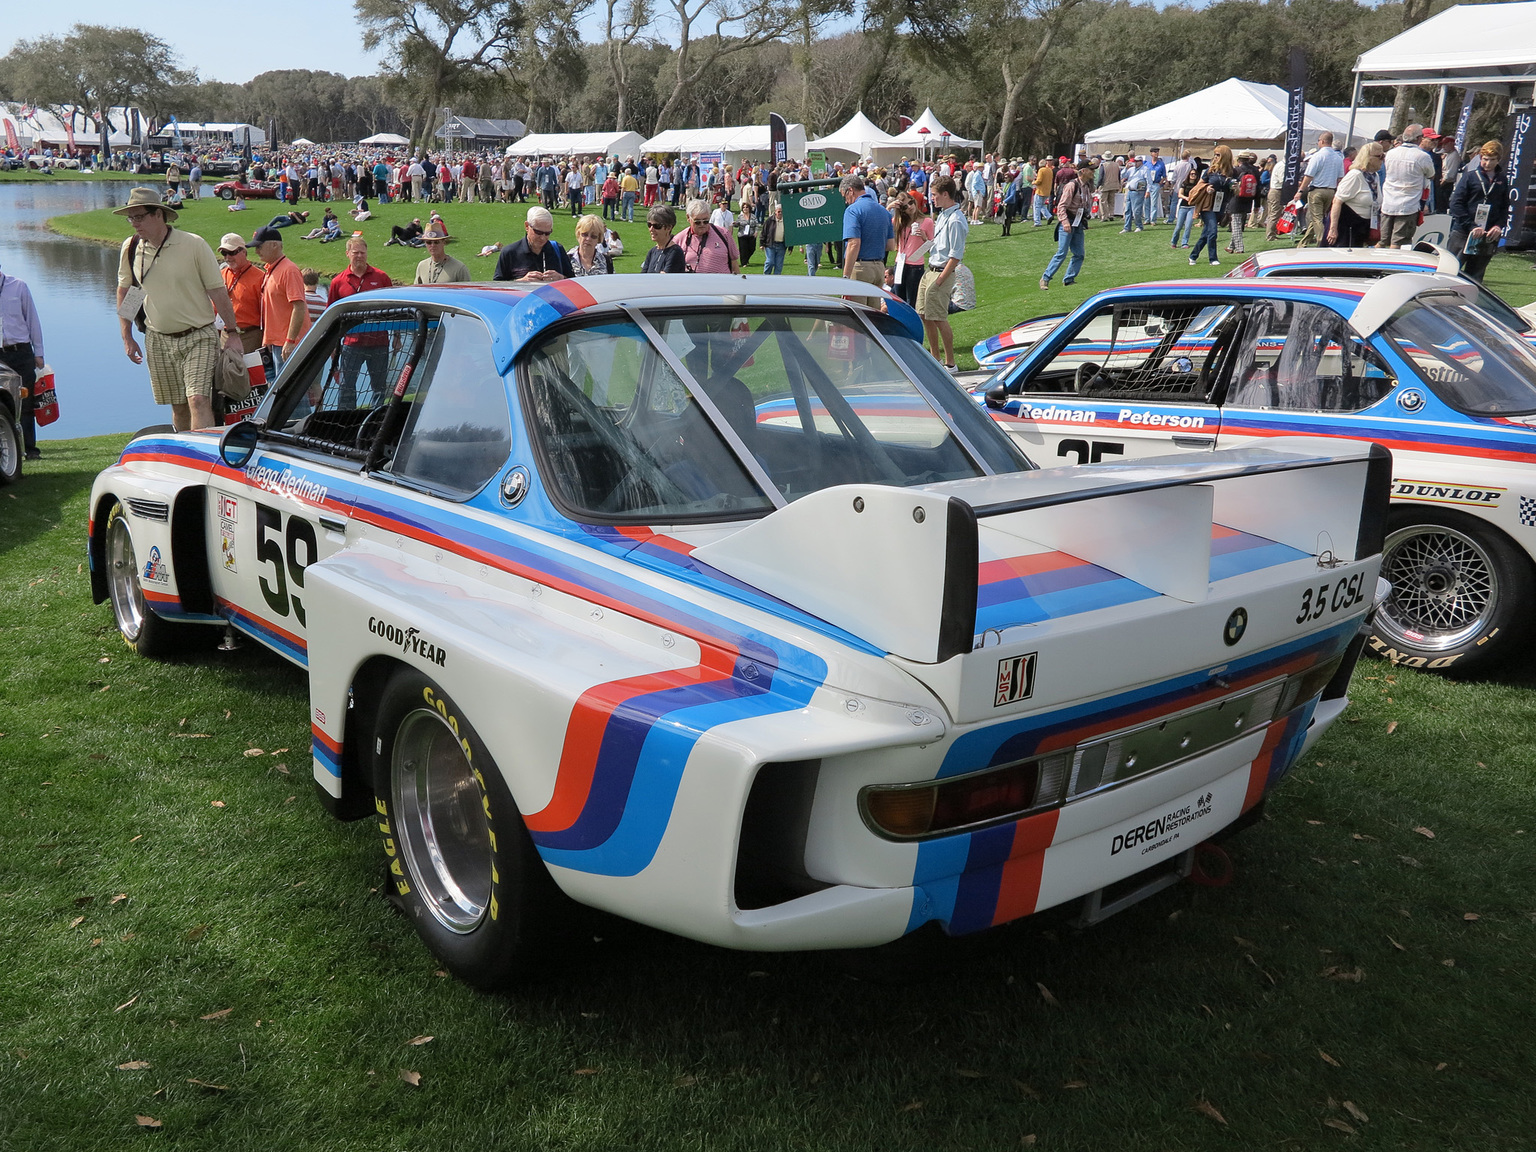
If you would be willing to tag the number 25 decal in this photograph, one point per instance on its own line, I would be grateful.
(1335, 597)
(286, 568)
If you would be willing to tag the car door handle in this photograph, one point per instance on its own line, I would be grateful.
(1187, 442)
(333, 523)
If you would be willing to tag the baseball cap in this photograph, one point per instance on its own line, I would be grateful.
(231, 241)
(262, 235)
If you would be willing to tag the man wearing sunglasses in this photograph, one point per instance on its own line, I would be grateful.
(439, 267)
(535, 257)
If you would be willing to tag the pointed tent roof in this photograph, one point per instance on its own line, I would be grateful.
(860, 135)
(914, 137)
(1234, 111)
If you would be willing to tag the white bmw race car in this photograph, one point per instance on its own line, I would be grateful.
(711, 602)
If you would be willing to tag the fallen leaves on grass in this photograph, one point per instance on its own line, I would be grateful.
(1424, 832)
(1341, 1125)
(1449, 963)
(77, 921)
(195, 735)
(133, 1066)
(1410, 861)
(1354, 1110)
(1027, 1089)
(1344, 975)
(1360, 836)
(216, 803)
(253, 752)
(1442, 1066)
(968, 1073)
(1045, 994)
(147, 1121)
(207, 1085)
(1074, 1084)
(1327, 1059)
(1206, 1108)
(1396, 945)
(1471, 916)
(411, 1078)
(219, 1015)
(119, 898)
(684, 1081)
(586, 1071)
(1027, 1141)
(911, 1106)
(195, 934)
(127, 1003)
(418, 1041)
(1391, 727)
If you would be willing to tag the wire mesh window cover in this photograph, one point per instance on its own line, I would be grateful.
(1161, 350)
(1304, 356)
(457, 426)
(337, 400)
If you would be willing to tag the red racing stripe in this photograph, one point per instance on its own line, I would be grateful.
(1019, 890)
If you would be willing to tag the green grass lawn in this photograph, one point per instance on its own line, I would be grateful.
(24, 176)
(190, 938)
(1007, 269)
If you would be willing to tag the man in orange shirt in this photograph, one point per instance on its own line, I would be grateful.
(285, 316)
(243, 279)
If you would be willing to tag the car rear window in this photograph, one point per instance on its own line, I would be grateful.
(1470, 360)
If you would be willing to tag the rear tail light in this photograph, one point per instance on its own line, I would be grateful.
(1009, 791)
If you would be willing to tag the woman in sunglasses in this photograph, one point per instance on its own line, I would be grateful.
(666, 256)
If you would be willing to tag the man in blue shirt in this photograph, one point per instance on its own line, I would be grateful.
(867, 232)
(1157, 177)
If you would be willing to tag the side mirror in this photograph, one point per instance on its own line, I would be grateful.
(997, 396)
(238, 444)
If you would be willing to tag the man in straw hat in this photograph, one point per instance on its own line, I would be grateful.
(169, 286)
(439, 267)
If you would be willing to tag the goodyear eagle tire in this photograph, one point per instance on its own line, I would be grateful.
(1461, 592)
(464, 869)
(146, 633)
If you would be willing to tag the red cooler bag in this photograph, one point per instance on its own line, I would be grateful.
(45, 400)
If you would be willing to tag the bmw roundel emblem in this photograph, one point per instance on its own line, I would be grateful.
(1237, 624)
(1410, 399)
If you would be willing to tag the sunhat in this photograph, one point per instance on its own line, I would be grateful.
(145, 198)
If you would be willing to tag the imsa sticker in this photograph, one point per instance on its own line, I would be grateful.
(1015, 679)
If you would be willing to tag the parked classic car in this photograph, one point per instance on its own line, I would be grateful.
(257, 190)
(711, 602)
(10, 425)
(1291, 263)
(1409, 361)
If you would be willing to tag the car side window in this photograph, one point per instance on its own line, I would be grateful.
(458, 432)
(334, 402)
(1144, 350)
(1305, 356)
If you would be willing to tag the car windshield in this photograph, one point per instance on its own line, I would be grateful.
(1471, 361)
(728, 415)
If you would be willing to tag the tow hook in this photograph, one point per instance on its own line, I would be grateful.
(1213, 868)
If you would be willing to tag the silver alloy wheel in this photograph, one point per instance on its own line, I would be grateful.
(10, 449)
(1444, 588)
(123, 578)
(440, 824)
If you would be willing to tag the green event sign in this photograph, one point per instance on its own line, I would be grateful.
(813, 212)
(818, 163)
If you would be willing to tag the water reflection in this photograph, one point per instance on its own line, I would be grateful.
(74, 284)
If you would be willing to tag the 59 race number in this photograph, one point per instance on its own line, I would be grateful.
(1336, 597)
(287, 564)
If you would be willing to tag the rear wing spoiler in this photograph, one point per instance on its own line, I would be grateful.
(898, 567)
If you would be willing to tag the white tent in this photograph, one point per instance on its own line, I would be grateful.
(1368, 121)
(749, 141)
(578, 144)
(384, 138)
(36, 127)
(1491, 47)
(927, 132)
(1238, 113)
(861, 136)
(302, 142)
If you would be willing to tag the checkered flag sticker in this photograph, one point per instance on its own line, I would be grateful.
(1528, 511)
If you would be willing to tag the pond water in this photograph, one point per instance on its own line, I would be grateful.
(74, 284)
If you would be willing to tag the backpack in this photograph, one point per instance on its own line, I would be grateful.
(1248, 186)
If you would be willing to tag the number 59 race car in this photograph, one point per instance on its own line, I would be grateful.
(711, 602)
(1418, 363)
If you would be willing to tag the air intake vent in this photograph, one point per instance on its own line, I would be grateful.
(149, 509)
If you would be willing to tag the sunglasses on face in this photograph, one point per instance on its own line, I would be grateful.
(539, 231)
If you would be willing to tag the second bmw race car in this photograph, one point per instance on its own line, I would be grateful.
(1409, 361)
(709, 601)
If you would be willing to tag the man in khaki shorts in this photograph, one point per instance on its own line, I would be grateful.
(938, 283)
(173, 277)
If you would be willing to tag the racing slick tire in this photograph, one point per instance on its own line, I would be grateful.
(1461, 592)
(464, 869)
(10, 449)
(149, 635)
